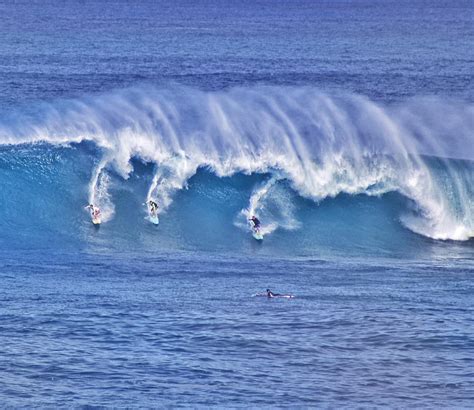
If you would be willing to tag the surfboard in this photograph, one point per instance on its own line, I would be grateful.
(154, 219)
(274, 296)
(256, 232)
(257, 235)
(96, 221)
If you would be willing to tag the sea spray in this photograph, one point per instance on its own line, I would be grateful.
(169, 177)
(324, 145)
(272, 204)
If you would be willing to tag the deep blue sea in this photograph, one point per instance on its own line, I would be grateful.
(345, 126)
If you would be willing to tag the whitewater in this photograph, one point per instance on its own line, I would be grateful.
(321, 145)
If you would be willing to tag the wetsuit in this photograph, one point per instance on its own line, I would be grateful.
(153, 206)
(256, 223)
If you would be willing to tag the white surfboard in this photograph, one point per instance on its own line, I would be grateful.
(265, 295)
(257, 235)
(154, 219)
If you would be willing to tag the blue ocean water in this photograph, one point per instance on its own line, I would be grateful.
(345, 126)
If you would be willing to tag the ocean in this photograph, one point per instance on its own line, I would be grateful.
(346, 126)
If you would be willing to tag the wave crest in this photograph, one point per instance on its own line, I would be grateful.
(323, 144)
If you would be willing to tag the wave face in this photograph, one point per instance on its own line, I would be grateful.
(319, 169)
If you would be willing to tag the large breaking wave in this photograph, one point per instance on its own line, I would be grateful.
(304, 142)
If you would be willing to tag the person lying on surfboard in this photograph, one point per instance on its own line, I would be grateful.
(256, 222)
(270, 294)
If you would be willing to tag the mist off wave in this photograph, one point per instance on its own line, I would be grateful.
(322, 144)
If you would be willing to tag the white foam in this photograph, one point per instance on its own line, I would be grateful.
(324, 145)
(98, 192)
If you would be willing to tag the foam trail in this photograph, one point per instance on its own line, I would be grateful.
(257, 208)
(170, 176)
(98, 191)
(152, 190)
(152, 193)
(257, 197)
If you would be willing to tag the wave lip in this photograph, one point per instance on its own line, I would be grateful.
(324, 145)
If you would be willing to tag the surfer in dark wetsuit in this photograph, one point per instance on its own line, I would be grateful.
(256, 222)
(270, 294)
(153, 206)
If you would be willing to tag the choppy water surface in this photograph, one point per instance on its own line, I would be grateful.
(185, 329)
